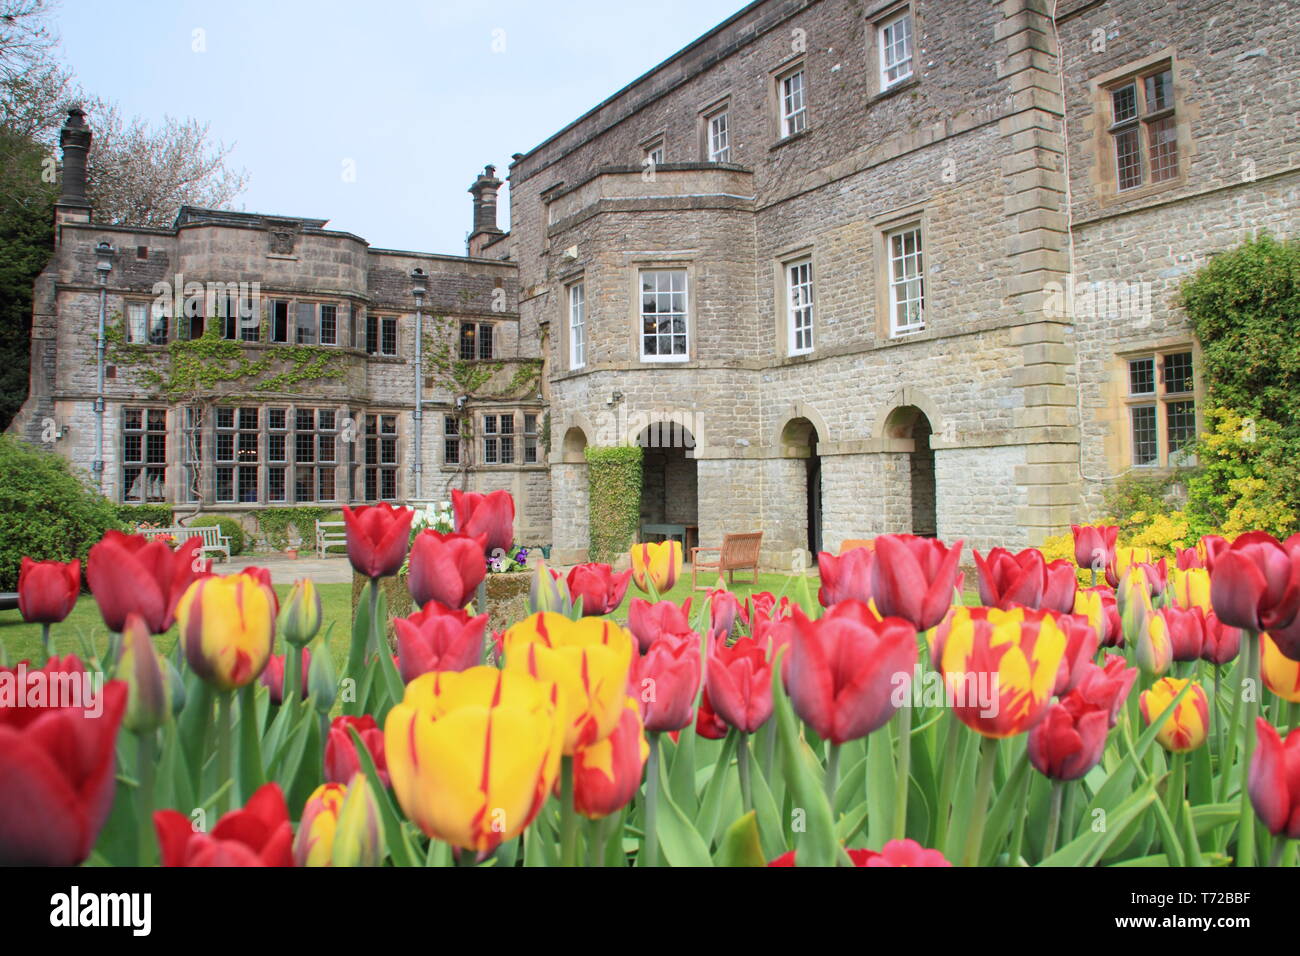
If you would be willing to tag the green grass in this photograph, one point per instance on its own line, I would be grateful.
(782, 585)
(22, 641)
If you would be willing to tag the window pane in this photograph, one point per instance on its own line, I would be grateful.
(1181, 424)
(467, 332)
(388, 344)
(1123, 103)
(1143, 418)
(1160, 91)
(485, 341)
(896, 50)
(577, 326)
(1162, 142)
(306, 325)
(1178, 373)
(1128, 159)
(328, 325)
(1142, 376)
(136, 320)
(906, 280)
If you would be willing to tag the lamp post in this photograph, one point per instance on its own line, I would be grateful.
(418, 290)
(104, 254)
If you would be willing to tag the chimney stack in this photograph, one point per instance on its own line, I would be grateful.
(74, 139)
(484, 191)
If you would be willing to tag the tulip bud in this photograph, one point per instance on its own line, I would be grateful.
(322, 679)
(1190, 588)
(1187, 727)
(228, 626)
(1153, 650)
(177, 685)
(340, 827)
(148, 703)
(300, 616)
(549, 592)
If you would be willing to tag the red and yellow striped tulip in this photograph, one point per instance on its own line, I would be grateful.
(607, 774)
(340, 827)
(1187, 727)
(1189, 588)
(658, 561)
(1281, 674)
(1013, 657)
(228, 627)
(589, 659)
(474, 754)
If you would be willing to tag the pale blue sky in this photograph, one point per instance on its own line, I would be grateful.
(413, 93)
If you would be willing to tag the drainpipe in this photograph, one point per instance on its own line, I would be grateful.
(103, 266)
(418, 277)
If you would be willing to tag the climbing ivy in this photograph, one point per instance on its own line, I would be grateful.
(274, 525)
(614, 499)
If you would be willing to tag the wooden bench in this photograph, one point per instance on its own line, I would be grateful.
(330, 534)
(739, 552)
(211, 539)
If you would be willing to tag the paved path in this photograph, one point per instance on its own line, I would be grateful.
(333, 570)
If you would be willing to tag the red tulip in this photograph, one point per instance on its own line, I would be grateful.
(438, 639)
(764, 606)
(846, 673)
(1060, 587)
(1212, 545)
(707, 723)
(650, 622)
(1112, 627)
(599, 587)
(724, 608)
(273, 676)
(378, 536)
(845, 577)
(491, 516)
(739, 679)
(1069, 740)
(1080, 648)
(260, 834)
(894, 853)
(447, 568)
(1188, 558)
(1008, 579)
(341, 760)
(47, 590)
(127, 573)
(1186, 632)
(1094, 547)
(607, 774)
(1274, 780)
(1107, 686)
(913, 578)
(1255, 583)
(667, 680)
(1222, 643)
(57, 764)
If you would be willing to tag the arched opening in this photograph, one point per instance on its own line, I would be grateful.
(669, 486)
(910, 423)
(573, 450)
(799, 440)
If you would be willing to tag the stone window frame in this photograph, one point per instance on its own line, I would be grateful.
(797, 63)
(1104, 173)
(1159, 398)
(154, 310)
(707, 115)
(380, 467)
(503, 454)
(380, 323)
(655, 265)
(265, 459)
(884, 227)
(652, 144)
(781, 280)
(141, 464)
(878, 22)
(570, 286)
(451, 441)
(478, 326)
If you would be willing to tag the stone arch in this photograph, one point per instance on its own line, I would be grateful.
(889, 422)
(914, 486)
(573, 447)
(669, 479)
(800, 412)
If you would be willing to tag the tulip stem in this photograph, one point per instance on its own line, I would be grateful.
(943, 809)
(1279, 848)
(145, 841)
(1221, 744)
(979, 812)
(292, 675)
(832, 773)
(568, 817)
(1246, 831)
(1054, 817)
(45, 642)
(223, 748)
(372, 645)
(742, 764)
(1177, 774)
(652, 802)
(904, 771)
(1225, 768)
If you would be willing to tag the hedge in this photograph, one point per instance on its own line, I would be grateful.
(614, 499)
(274, 524)
(132, 516)
(231, 528)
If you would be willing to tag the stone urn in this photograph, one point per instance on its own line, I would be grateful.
(399, 601)
(507, 600)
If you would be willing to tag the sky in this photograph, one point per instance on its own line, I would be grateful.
(376, 115)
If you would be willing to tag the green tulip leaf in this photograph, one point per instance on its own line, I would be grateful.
(740, 845)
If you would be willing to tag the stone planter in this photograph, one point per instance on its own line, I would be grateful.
(507, 600)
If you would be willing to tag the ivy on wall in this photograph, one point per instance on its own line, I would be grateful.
(1244, 307)
(614, 499)
(274, 525)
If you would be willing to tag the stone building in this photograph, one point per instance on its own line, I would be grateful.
(845, 267)
(901, 266)
(242, 361)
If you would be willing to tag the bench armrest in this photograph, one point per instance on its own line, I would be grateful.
(701, 550)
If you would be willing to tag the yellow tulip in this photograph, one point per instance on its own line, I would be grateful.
(314, 845)
(1187, 727)
(1126, 557)
(228, 627)
(660, 561)
(474, 754)
(1190, 588)
(1281, 674)
(589, 660)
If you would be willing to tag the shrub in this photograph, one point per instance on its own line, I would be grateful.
(46, 509)
(159, 516)
(614, 503)
(274, 525)
(231, 528)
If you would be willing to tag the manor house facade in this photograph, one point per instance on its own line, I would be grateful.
(870, 267)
